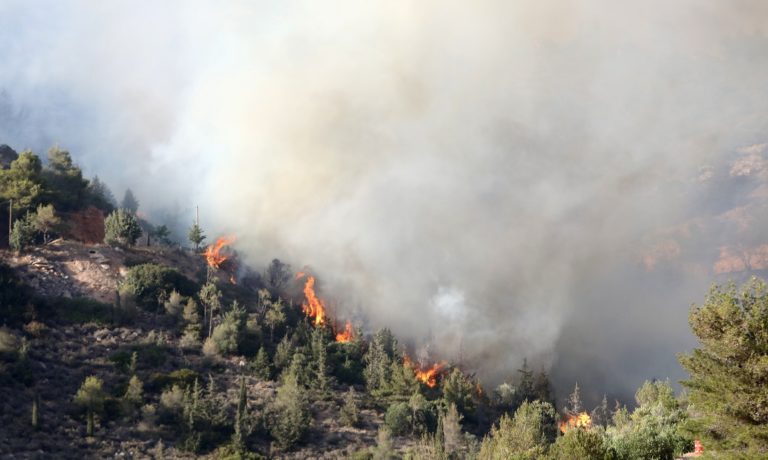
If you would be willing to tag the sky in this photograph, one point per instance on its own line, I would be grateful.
(493, 180)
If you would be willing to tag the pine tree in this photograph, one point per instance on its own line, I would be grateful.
(457, 391)
(727, 384)
(320, 361)
(260, 365)
(238, 437)
(402, 380)
(277, 275)
(196, 235)
(525, 389)
(91, 396)
(23, 182)
(573, 404)
(210, 296)
(350, 411)
(192, 402)
(451, 421)
(129, 203)
(160, 451)
(134, 363)
(45, 221)
(121, 228)
(601, 414)
(66, 186)
(283, 353)
(274, 317)
(22, 234)
(193, 328)
(384, 447)
(35, 412)
(298, 369)
(291, 416)
(378, 361)
(524, 436)
(162, 233)
(542, 388)
(100, 196)
(133, 398)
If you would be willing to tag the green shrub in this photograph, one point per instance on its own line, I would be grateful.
(398, 418)
(151, 355)
(581, 444)
(81, 310)
(524, 436)
(90, 397)
(23, 234)
(121, 360)
(290, 416)
(147, 283)
(350, 411)
(227, 335)
(171, 404)
(121, 228)
(181, 377)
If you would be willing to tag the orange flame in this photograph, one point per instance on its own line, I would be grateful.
(582, 420)
(313, 306)
(347, 335)
(428, 375)
(213, 254)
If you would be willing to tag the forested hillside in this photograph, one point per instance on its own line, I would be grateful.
(119, 342)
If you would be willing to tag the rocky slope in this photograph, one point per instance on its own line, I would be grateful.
(60, 353)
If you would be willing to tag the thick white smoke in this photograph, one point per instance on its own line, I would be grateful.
(480, 176)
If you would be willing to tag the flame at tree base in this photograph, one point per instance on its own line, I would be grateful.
(346, 335)
(426, 375)
(581, 420)
(313, 306)
(213, 253)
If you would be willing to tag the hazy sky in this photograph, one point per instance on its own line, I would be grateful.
(499, 179)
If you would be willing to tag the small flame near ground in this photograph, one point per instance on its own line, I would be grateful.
(213, 253)
(426, 375)
(346, 335)
(581, 420)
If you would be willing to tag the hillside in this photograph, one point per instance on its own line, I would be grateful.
(138, 347)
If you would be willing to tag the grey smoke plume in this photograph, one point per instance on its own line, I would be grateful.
(484, 177)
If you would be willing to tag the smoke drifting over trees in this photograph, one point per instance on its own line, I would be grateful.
(494, 180)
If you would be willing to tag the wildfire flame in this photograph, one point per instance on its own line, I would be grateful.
(213, 254)
(426, 375)
(582, 420)
(313, 306)
(346, 335)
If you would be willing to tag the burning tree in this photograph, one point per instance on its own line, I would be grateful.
(576, 417)
(313, 306)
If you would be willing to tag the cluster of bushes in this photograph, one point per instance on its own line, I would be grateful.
(39, 191)
(42, 193)
(652, 430)
(150, 285)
